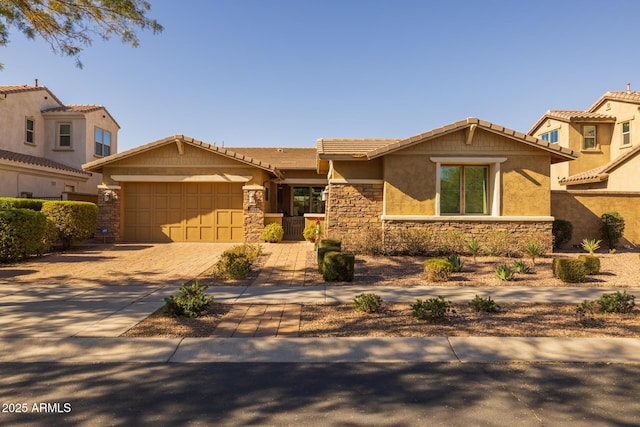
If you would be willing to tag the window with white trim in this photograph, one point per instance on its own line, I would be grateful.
(589, 138)
(64, 135)
(626, 133)
(464, 189)
(30, 131)
(551, 136)
(103, 142)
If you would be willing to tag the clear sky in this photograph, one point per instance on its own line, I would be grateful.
(285, 73)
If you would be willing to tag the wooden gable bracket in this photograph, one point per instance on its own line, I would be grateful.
(472, 130)
(180, 146)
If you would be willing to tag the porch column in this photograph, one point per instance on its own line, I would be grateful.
(253, 208)
(108, 224)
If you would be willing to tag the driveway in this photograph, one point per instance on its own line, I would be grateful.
(71, 294)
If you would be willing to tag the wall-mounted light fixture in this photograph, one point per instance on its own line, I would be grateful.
(252, 197)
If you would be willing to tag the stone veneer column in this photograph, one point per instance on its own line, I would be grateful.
(253, 208)
(353, 208)
(108, 213)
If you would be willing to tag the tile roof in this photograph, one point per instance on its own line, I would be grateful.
(97, 165)
(282, 158)
(600, 173)
(382, 147)
(351, 147)
(38, 161)
(575, 116)
(26, 88)
(624, 96)
(79, 108)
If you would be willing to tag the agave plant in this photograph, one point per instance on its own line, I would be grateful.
(590, 245)
(504, 272)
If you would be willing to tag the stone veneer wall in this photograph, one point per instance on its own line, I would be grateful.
(253, 213)
(353, 208)
(108, 214)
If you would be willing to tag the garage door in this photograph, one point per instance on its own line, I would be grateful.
(182, 212)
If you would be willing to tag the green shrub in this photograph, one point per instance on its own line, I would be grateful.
(232, 266)
(533, 249)
(322, 252)
(590, 245)
(456, 263)
(368, 303)
(562, 231)
(501, 243)
(473, 245)
(331, 243)
(309, 232)
(252, 252)
(411, 241)
(616, 302)
(612, 228)
(591, 263)
(191, 301)
(23, 232)
(338, 267)
(21, 203)
(521, 267)
(432, 309)
(484, 305)
(569, 270)
(75, 221)
(437, 270)
(273, 233)
(586, 315)
(504, 272)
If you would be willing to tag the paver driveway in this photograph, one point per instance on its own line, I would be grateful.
(70, 294)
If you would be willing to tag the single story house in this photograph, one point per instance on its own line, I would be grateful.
(468, 175)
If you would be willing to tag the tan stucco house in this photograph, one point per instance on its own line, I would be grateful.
(44, 143)
(469, 175)
(606, 176)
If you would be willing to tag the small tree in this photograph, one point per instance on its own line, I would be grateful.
(562, 231)
(612, 228)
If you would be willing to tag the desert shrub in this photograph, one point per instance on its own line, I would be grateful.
(366, 241)
(591, 263)
(612, 228)
(504, 272)
(484, 305)
(338, 267)
(432, 309)
(590, 245)
(473, 245)
(191, 301)
(74, 221)
(501, 243)
(533, 249)
(569, 270)
(273, 233)
(410, 241)
(252, 252)
(616, 302)
(562, 231)
(23, 232)
(367, 302)
(456, 263)
(437, 270)
(451, 242)
(586, 315)
(20, 203)
(309, 232)
(234, 263)
(521, 267)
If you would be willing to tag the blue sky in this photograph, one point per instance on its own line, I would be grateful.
(284, 73)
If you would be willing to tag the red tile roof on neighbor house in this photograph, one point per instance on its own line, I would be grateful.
(600, 173)
(38, 161)
(370, 149)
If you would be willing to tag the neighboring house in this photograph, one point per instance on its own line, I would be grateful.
(471, 176)
(606, 177)
(44, 143)
(182, 189)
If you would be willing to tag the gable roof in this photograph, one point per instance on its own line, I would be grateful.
(97, 165)
(350, 147)
(38, 161)
(623, 96)
(8, 89)
(281, 158)
(572, 116)
(600, 173)
(383, 147)
(80, 108)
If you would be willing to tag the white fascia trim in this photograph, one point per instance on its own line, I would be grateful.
(355, 181)
(303, 181)
(253, 187)
(468, 160)
(314, 215)
(466, 218)
(181, 178)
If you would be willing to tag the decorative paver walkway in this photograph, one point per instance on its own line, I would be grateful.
(285, 265)
(260, 320)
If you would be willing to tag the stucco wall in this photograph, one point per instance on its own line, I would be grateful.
(623, 111)
(584, 209)
(363, 169)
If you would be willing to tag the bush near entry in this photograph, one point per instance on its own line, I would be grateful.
(74, 221)
(22, 233)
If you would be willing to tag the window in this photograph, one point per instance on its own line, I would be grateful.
(307, 200)
(464, 189)
(64, 135)
(589, 138)
(103, 142)
(551, 137)
(30, 129)
(626, 133)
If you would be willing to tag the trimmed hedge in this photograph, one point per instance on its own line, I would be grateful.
(338, 267)
(569, 270)
(22, 234)
(23, 203)
(74, 221)
(437, 270)
(591, 263)
(326, 246)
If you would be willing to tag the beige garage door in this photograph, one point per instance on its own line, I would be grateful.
(182, 212)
